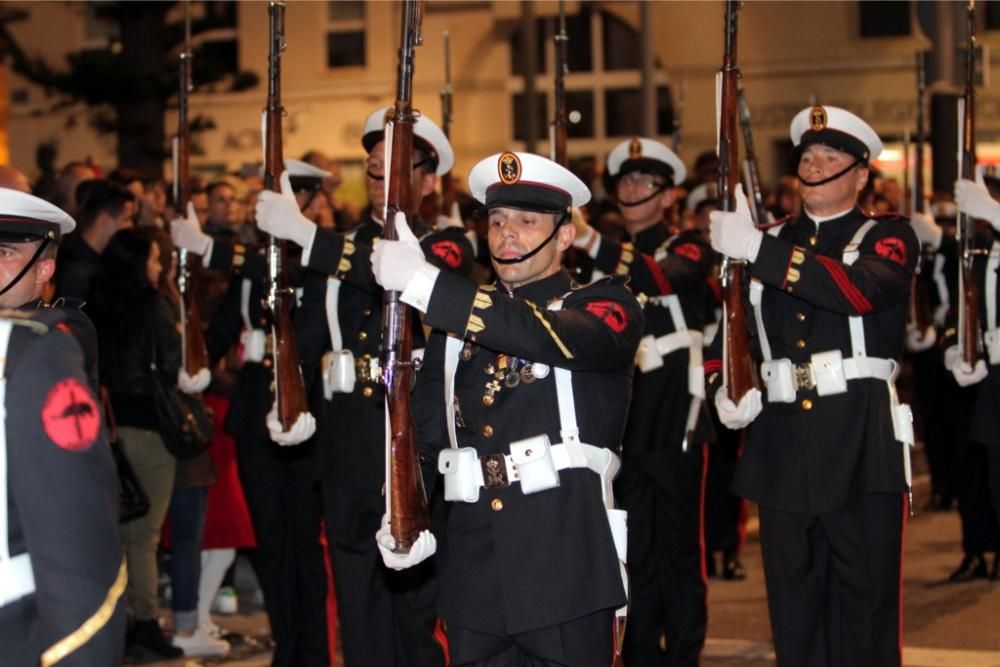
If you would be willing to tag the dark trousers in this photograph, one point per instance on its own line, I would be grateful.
(386, 617)
(584, 642)
(283, 498)
(662, 493)
(834, 583)
(723, 508)
(979, 520)
(993, 454)
(187, 527)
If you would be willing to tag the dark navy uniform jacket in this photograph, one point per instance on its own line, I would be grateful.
(819, 454)
(514, 562)
(62, 501)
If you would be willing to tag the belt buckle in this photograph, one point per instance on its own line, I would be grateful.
(494, 471)
(803, 376)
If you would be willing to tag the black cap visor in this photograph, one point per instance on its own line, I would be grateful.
(647, 166)
(528, 196)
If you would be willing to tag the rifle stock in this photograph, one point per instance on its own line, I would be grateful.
(921, 314)
(969, 337)
(407, 500)
(289, 389)
(193, 349)
(740, 371)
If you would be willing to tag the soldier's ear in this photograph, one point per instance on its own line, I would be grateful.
(427, 184)
(668, 197)
(46, 268)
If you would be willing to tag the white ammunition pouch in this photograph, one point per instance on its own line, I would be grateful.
(991, 341)
(17, 577)
(652, 349)
(991, 337)
(339, 374)
(254, 342)
(829, 372)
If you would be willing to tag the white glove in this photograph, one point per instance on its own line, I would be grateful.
(918, 341)
(196, 384)
(975, 200)
(739, 416)
(279, 215)
(302, 429)
(394, 263)
(733, 233)
(965, 375)
(927, 229)
(187, 235)
(421, 550)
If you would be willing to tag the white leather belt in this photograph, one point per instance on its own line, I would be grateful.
(17, 579)
(491, 475)
(677, 340)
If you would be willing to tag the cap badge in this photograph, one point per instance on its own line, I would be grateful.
(817, 119)
(634, 148)
(509, 168)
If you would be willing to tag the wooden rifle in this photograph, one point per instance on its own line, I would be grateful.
(447, 181)
(406, 500)
(739, 370)
(193, 349)
(921, 314)
(557, 130)
(289, 389)
(969, 337)
(750, 171)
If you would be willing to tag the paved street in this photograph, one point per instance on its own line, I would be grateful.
(946, 625)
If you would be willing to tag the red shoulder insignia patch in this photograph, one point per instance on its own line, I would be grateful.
(62, 326)
(892, 248)
(70, 416)
(611, 313)
(691, 251)
(448, 252)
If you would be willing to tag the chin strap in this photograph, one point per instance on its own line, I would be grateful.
(813, 184)
(538, 248)
(27, 267)
(654, 194)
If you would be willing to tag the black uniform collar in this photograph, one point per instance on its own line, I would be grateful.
(651, 238)
(541, 291)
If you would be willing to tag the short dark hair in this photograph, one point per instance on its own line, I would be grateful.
(97, 196)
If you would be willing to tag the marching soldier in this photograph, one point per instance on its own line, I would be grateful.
(540, 369)
(975, 200)
(827, 453)
(387, 617)
(280, 482)
(62, 575)
(663, 467)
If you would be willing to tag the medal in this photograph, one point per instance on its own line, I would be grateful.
(527, 375)
(467, 351)
(512, 380)
(492, 387)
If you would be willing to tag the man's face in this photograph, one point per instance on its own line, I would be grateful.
(636, 186)
(422, 182)
(819, 162)
(223, 206)
(512, 233)
(13, 257)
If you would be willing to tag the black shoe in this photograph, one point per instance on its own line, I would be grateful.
(732, 567)
(148, 635)
(973, 567)
(995, 572)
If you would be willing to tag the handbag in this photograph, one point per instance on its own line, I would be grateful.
(133, 502)
(185, 423)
